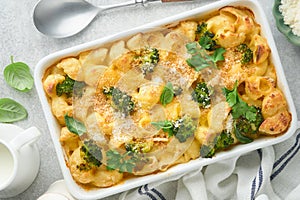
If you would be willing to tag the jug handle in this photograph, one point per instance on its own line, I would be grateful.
(28, 136)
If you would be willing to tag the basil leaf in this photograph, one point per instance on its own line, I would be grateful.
(75, 126)
(11, 111)
(18, 76)
(218, 55)
(123, 162)
(198, 62)
(167, 94)
(200, 59)
(162, 124)
(166, 126)
(192, 47)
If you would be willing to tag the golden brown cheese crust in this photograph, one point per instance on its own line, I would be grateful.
(276, 124)
(273, 103)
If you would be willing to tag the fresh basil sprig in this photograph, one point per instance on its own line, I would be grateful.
(75, 126)
(18, 76)
(166, 126)
(167, 94)
(11, 111)
(200, 59)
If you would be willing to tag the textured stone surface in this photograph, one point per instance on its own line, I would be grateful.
(20, 39)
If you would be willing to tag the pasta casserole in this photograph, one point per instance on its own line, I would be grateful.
(143, 104)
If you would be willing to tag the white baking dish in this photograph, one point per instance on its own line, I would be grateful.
(181, 169)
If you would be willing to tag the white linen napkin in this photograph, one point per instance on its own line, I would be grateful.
(271, 173)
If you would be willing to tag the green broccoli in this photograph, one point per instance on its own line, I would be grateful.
(207, 151)
(184, 128)
(120, 100)
(221, 142)
(224, 140)
(147, 59)
(205, 37)
(246, 53)
(247, 118)
(68, 86)
(139, 147)
(202, 94)
(201, 29)
(108, 91)
(91, 154)
(246, 129)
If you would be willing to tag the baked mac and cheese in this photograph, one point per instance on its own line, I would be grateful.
(143, 104)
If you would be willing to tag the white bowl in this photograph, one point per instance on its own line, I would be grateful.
(282, 27)
(181, 169)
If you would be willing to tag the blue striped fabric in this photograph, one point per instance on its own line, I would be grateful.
(254, 188)
(283, 160)
(152, 194)
(146, 192)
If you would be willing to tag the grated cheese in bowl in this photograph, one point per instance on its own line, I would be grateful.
(291, 15)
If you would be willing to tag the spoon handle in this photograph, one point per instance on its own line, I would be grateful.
(136, 2)
(164, 1)
(119, 5)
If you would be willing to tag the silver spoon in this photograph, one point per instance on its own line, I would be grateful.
(64, 18)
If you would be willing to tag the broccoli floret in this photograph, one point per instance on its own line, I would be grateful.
(121, 101)
(184, 128)
(147, 59)
(224, 140)
(221, 142)
(208, 43)
(66, 87)
(250, 126)
(246, 129)
(91, 154)
(207, 151)
(247, 54)
(139, 147)
(205, 37)
(247, 119)
(108, 91)
(201, 29)
(201, 94)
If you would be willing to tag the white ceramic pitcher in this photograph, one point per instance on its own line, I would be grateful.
(19, 159)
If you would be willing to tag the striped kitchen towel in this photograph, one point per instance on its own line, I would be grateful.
(271, 173)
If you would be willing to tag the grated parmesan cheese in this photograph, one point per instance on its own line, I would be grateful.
(291, 15)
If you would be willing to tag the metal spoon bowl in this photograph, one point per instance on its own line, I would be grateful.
(64, 18)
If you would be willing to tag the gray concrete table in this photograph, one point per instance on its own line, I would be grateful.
(20, 39)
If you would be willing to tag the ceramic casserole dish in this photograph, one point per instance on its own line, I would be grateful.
(172, 172)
